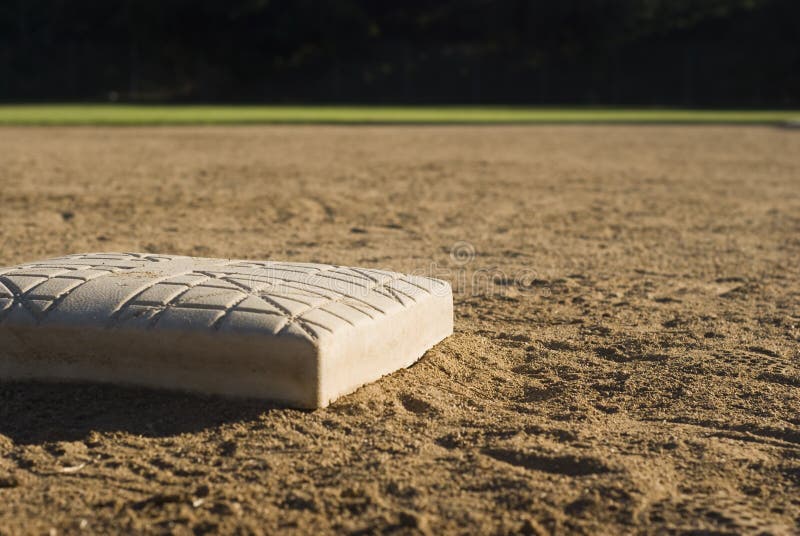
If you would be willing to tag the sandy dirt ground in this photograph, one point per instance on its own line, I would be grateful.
(625, 357)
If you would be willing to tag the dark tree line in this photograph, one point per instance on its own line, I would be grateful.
(639, 52)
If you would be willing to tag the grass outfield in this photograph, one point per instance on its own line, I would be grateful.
(109, 114)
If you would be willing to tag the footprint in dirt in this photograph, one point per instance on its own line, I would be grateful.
(619, 354)
(568, 465)
(541, 393)
(417, 406)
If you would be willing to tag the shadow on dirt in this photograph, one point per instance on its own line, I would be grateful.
(33, 412)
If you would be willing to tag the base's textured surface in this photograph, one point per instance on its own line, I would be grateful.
(647, 381)
(295, 332)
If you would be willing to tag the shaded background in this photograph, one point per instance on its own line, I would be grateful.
(612, 52)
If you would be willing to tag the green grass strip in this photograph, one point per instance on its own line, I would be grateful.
(113, 114)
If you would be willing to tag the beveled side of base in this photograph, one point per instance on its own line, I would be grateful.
(390, 343)
(242, 365)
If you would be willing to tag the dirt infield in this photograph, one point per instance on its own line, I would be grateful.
(625, 357)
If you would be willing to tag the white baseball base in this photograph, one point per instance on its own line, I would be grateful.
(303, 334)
